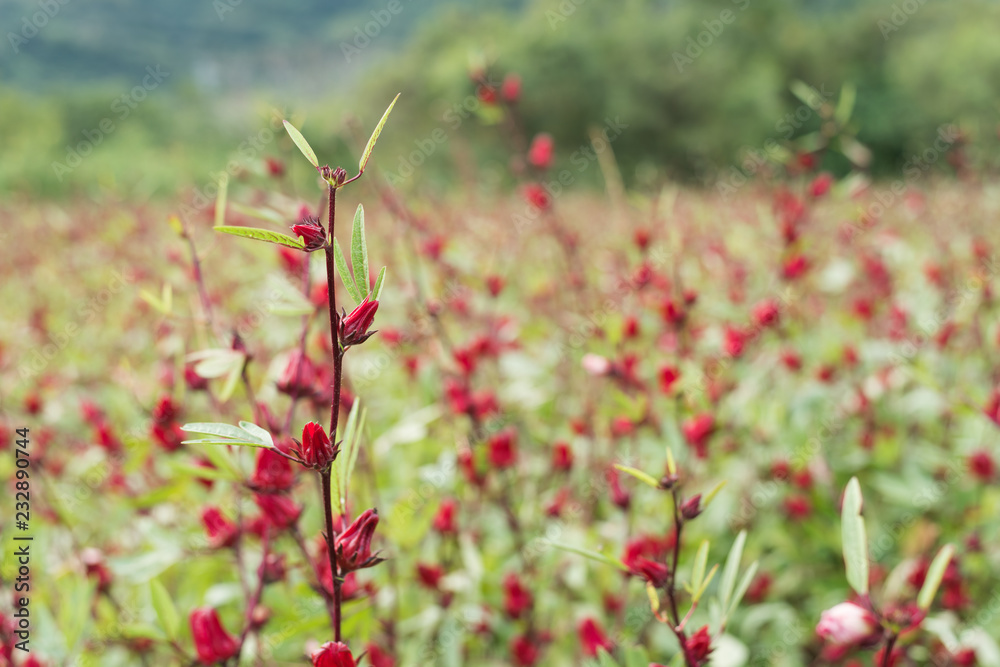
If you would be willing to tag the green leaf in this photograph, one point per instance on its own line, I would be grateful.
(226, 434)
(262, 235)
(359, 252)
(216, 362)
(257, 432)
(220, 200)
(345, 275)
(710, 496)
(593, 555)
(301, 142)
(698, 570)
(742, 589)
(604, 658)
(636, 656)
(807, 94)
(935, 573)
(845, 105)
(371, 142)
(165, 609)
(855, 541)
(639, 475)
(343, 465)
(377, 291)
(704, 584)
(731, 570)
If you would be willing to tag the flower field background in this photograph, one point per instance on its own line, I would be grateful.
(586, 415)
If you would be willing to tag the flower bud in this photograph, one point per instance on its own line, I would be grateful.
(316, 451)
(847, 623)
(211, 641)
(312, 232)
(333, 654)
(354, 545)
(691, 507)
(221, 531)
(354, 327)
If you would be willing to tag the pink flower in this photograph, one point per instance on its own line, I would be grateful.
(595, 364)
(511, 88)
(847, 623)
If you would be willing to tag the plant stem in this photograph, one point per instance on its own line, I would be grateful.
(325, 478)
(887, 656)
(338, 369)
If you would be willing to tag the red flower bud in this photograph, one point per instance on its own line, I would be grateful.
(298, 375)
(511, 88)
(354, 327)
(279, 511)
(213, 643)
(652, 571)
(316, 451)
(444, 520)
(562, 457)
(273, 472)
(517, 598)
(697, 431)
(354, 545)
(221, 531)
(312, 232)
(698, 646)
(333, 654)
(540, 153)
(503, 448)
(592, 637)
(691, 507)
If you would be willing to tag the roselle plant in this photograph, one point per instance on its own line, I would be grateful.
(330, 453)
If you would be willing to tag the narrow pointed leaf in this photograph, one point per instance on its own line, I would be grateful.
(262, 235)
(220, 201)
(359, 252)
(593, 555)
(266, 214)
(700, 562)
(855, 541)
(728, 582)
(654, 597)
(742, 589)
(371, 142)
(377, 291)
(345, 274)
(935, 573)
(639, 475)
(704, 584)
(710, 496)
(671, 464)
(301, 142)
(170, 620)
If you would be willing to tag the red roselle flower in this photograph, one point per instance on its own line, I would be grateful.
(537, 196)
(592, 637)
(847, 623)
(444, 520)
(221, 531)
(273, 472)
(699, 645)
(540, 153)
(333, 654)
(652, 571)
(298, 376)
(511, 89)
(354, 327)
(691, 507)
(697, 431)
(315, 450)
(562, 457)
(669, 375)
(981, 465)
(523, 651)
(619, 495)
(213, 643)
(503, 448)
(517, 598)
(354, 545)
(430, 575)
(312, 232)
(279, 511)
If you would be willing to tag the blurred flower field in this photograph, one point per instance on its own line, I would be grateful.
(572, 408)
